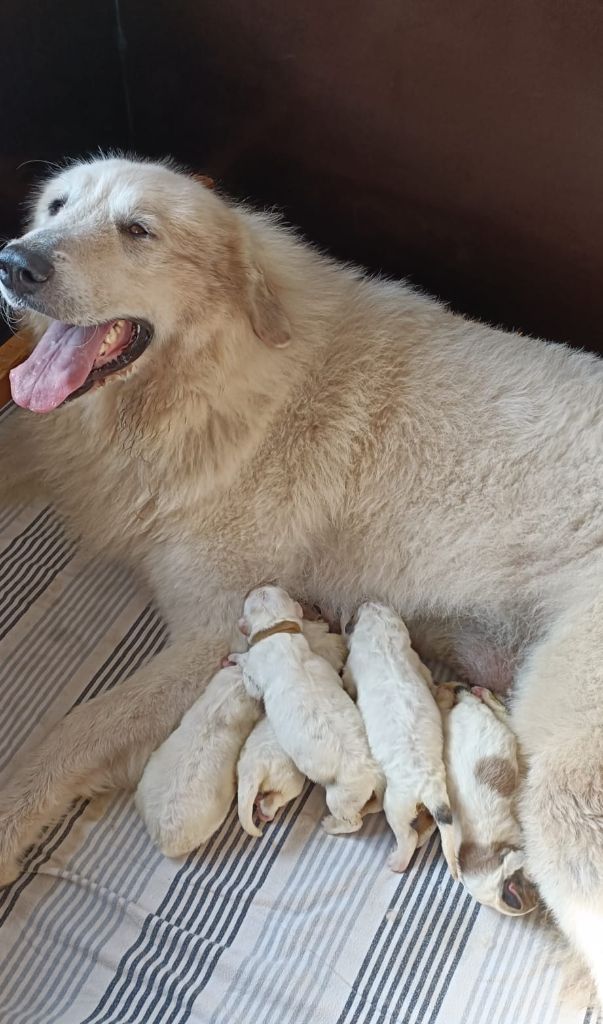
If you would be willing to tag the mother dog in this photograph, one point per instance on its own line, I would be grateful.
(224, 404)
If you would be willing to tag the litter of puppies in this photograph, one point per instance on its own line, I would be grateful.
(382, 737)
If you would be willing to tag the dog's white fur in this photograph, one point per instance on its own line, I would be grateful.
(330, 646)
(403, 725)
(314, 720)
(267, 777)
(189, 783)
(480, 753)
(393, 451)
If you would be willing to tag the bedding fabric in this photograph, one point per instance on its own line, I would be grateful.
(296, 928)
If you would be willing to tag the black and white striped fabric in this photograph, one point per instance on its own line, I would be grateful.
(296, 928)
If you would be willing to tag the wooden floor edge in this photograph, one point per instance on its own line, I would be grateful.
(13, 352)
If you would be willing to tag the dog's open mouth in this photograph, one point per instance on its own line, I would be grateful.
(69, 360)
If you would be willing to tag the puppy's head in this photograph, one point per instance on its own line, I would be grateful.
(266, 605)
(367, 616)
(494, 875)
(119, 260)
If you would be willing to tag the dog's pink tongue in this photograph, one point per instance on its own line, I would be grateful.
(58, 365)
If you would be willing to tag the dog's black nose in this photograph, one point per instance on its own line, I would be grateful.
(22, 270)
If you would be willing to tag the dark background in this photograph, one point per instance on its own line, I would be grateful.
(459, 144)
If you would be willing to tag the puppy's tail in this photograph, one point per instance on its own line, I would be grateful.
(438, 804)
(248, 788)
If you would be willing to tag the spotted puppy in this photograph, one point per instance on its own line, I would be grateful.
(314, 720)
(267, 777)
(480, 753)
(189, 783)
(404, 727)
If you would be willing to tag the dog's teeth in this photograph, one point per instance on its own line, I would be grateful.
(110, 337)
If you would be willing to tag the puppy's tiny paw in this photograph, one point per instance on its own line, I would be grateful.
(331, 825)
(398, 862)
(341, 826)
(264, 809)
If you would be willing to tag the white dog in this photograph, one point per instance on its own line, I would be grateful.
(404, 727)
(267, 411)
(314, 720)
(480, 753)
(189, 783)
(267, 777)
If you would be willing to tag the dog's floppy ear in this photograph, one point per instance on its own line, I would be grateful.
(265, 312)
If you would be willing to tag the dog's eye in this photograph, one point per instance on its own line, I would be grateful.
(56, 205)
(136, 229)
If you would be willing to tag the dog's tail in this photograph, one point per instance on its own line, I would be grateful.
(437, 803)
(248, 789)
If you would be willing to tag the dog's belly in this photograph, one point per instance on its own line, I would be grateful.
(481, 652)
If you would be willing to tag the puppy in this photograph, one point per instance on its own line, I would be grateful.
(189, 783)
(480, 753)
(403, 725)
(330, 646)
(267, 777)
(314, 720)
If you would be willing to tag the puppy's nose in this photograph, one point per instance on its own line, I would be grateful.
(22, 270)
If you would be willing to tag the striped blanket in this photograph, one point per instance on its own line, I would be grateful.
(296, 928)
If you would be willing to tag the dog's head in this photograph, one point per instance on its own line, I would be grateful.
(120, 256)
(266, 605)
(494, 875)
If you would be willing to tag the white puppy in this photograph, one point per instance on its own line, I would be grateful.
(314, 720)
(331, 646)
(267, 777)
(480, 753)
(404, 727)
(189, 783)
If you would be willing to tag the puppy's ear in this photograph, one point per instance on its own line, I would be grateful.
(299, 611)
(243, 627)
(266, 314)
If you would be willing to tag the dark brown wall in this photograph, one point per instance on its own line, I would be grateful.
(61, 90)
(460, 144)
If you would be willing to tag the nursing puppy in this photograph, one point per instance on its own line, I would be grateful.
(480, 753)
(403, 725)
(315, 722)
(267, 777)
(189, 783)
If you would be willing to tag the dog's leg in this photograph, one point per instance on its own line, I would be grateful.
(103, 744)
(345, 803)
(400, 811)
(270, 803)
(558, 716)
